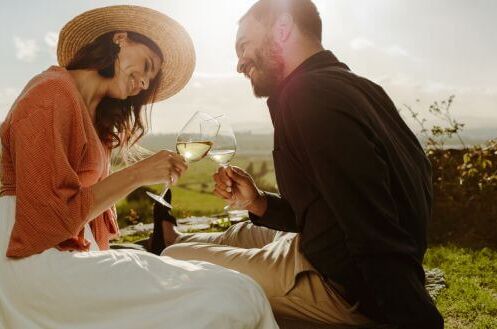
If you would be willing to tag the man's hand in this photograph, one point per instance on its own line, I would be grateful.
(235, 185)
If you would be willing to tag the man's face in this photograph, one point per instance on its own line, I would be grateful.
(259, 57)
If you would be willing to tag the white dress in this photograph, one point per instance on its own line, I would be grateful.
(122, 289)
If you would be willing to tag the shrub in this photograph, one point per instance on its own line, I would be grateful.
(464, 182)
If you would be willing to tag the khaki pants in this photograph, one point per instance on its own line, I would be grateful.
(273, 259)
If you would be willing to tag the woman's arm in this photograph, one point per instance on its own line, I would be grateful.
(164, 166)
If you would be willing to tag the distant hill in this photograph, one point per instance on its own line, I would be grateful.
(474, 136)
(262, 144)
(248, 143)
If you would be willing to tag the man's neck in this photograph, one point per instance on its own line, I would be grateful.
(299, 54)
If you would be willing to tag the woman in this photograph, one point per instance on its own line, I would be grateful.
(57, 195)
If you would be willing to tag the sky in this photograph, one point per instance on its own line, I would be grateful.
(417, 50)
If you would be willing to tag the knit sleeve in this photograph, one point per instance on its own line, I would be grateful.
(48, 142)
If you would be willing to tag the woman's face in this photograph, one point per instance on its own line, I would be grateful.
(135, 67)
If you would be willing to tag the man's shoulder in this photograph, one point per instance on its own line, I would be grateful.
(328, 89)
(332, 81)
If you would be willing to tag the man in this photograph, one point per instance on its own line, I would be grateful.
(354, 181)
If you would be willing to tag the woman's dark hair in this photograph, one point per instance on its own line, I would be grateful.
(119, 123)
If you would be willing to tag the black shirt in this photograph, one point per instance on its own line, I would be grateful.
(356, 184)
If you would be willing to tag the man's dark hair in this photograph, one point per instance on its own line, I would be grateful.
(304, 13)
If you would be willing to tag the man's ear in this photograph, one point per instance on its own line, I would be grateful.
(120, 38)
(282, 28)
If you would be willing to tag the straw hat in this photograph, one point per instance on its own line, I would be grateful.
(172, 39)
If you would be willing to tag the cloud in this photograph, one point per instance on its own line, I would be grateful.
(491, 91)
(207, 75)
(26, 49)
(51, 39)
(396, 51)
(432, 87)
(361, 43)
(7, 97)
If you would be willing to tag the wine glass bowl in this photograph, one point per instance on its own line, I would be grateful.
(193, 143)
(224, 150)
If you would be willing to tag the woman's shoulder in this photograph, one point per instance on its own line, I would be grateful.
(55, 81)
(44, 92)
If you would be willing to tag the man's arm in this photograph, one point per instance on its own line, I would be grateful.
(272, 211)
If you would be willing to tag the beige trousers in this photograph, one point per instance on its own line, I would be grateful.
(273, 259)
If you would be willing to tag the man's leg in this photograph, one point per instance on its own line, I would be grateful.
(242, 235)
(277, 266)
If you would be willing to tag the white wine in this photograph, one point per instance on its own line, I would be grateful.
(193, 151)
(222, 157)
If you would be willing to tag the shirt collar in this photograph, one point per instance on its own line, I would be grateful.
(321, 59)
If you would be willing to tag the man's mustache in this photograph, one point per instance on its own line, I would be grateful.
(247, 68)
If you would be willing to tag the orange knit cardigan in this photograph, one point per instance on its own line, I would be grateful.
(51, 157)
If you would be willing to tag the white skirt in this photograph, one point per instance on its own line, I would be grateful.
(122, 289)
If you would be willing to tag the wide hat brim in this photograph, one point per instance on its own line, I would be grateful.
(171, 38)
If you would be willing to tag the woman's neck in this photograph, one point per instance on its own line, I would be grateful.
(91, 86)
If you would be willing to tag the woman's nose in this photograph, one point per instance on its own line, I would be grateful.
(144, 83)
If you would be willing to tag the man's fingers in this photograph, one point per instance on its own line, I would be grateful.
(223, 177)
(237, 175)
(239, 171)
(216, 178)
(224, 187)
(222, 193)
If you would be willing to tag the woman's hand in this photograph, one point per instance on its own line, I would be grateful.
(162, 167)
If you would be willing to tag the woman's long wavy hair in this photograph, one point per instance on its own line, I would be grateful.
(119, 123)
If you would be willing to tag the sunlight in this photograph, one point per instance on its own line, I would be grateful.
(212, 26)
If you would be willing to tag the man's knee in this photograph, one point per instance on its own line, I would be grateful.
(237, 228)
(178, 250)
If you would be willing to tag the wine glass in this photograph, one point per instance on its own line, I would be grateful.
(224, 150)
(193, 143)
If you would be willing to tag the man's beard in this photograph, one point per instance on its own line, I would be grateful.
(269, 66)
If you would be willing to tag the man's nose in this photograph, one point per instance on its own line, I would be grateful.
(240, 67)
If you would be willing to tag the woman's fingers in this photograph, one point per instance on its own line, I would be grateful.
(178, 162)
(177, 165)
(174, 174)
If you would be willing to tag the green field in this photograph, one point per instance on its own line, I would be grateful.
(192, 195)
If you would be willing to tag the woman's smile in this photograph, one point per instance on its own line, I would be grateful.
(133, 85)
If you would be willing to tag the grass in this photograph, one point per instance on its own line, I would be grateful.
(470, 301)
(194, 203)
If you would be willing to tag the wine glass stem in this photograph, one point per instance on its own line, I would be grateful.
(166, 188)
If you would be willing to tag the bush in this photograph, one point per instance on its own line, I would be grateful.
(137, 207)
(464, 183)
